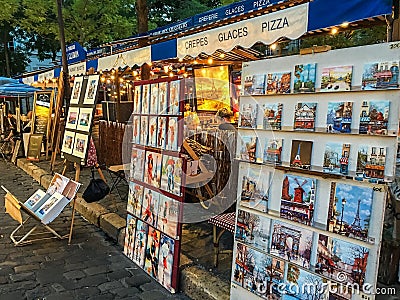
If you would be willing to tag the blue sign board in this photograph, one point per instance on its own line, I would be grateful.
(176, 27)
(75, 53)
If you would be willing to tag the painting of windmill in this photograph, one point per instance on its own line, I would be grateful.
(300, 156)
(297, 199)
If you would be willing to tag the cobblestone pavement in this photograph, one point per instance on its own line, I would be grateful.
(92, 267)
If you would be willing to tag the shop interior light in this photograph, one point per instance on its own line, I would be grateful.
(222, 55)
(210, 60)
(181, 60)
(203, 71)
(195, 62)
(102, 79)
(135, 73)
(108, 81)
(334, 31)
(273, 46)
(112, 77)
(121, 80)
(54, 80)
(185, 75)
(166, 69)
(345, 24)
(171, 74)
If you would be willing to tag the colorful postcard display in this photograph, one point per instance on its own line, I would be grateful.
(171, 177)
(350, 211)
(130, 230)
(336, 158)
(137, 99)
(152, 250)
(336, 79)
(304, 116)
(374, 117)
(255, 188)
(140, 242)
(298, 199)
(135, 198)
(248, 115)
(150, 207)
(152, 169)
(154, 99)
(254, 85)
(145, 99)
(292, 243)
(152, 132)
(304, 78)
(161, 132)
(337, 256)
(278, 83)
(338, 119)
(371, 162)
(168, 216)
(298, 280)
(174, 97)
(262, 273)
(171, 139)
(144, 130)
(136, 129)
(166, 261)
(248, 148)
(272, 116)
(253, 230)
(300, 156)
(273, 151)
(137, 164)
(163, 97)
(380, 75)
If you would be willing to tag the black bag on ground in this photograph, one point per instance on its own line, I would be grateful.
(96, 190)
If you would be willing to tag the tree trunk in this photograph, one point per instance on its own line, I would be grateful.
(6, 52)
(142, 12)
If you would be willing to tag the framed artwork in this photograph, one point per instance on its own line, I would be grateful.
(174, 97)
(166, 261)
(129, 236)
(304, 116)
(152, 169)
(85, 119)
(371, 161)
(248, 148)
(140, 243)
(255, 189)
(68, 142)
(154, 99)
(253, 229)
(168, 215)
(272, 116)
(273, 151)
(76, 90)
(137, 163)
(248, 115)
(336, 79)
(300, 155)
(80, 145)
(41, 118)
(136, 129)
(34, 147)
(144, 130)
(254, 85)
(47, 206)
(161, 132)
(299, 277)
(374, 117)
(137, 99)
(163, 98)
(91, 89)
(336, 158)
(152, 131)
(145, 99)
(171, 137)
(171, 178)
(135, 199)
(150, 207)
(152, 250)
(72, 118)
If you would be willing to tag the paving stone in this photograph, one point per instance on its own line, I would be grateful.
(96, 270)
(119, 274)
(24, 268)
(151, 295)
(126, 292)
(58, 288)
(12, 295)
(22, 277)
(77, 274)
(86, 292)
(103, 297)
(109, 286)
(136, 280)
(49, 275)
(64, 296)
(4, 279)
(92, 280)
(151, 286)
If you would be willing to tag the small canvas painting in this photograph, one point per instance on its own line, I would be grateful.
(152, 250)
(144, 130)
(137, 99)
(76, 90)
(300, 156)
(350, 210)
(171, 139)
(380, 75)
(154, 99)
(171, 177)
(255, 189)
(253, 230)
(168, 216)
(163, 98)
(140, 243)
(336, 158)
(145, 99)
(371, 162)
(336, 79)
(278, 83)
(304, 116)
(150, 207)
(272, 116)
(374, 117)
(85, 119)
(72, 118)
(248, 148)
(254, 84)
(298, 199)
(152, 132)
(261, 273)
(135, 199)
(136, 129)
(339, 116)
(337, 256)
(137, 163)
(166, 261)
(273, 151)
(130, 231)
(80, 145)
(237, 275)
(174, 97)
(91, 89)
(304, 78)
(307, 285)
(248, 115)
(292, 243)
(68, 143)
(161, 132)
(153, 168)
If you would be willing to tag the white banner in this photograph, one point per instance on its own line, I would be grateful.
(77, 69)
(28, 80)
(129, 58)
(290, 23)
(46, 76)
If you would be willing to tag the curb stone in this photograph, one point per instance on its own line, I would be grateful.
(194, 281)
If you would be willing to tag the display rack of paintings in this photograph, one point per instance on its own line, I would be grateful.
(79, 118)
(316, 149)
(156, 181)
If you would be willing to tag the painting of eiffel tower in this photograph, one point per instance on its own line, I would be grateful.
(301, 154)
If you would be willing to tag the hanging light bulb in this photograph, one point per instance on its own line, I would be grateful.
(112, 77)
(210, 60)
(102, 79)
(273, 46)
(222, 55)
(180, 60)
(185, 75)
(166, 69)
(171, 74)
(135, 73)
(334, 31)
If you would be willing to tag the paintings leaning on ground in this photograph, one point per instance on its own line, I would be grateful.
(152, 237)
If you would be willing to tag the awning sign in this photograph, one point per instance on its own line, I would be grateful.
(46, 75)
(123, 59)
(77, 69)
(290, 23)
(28, 80)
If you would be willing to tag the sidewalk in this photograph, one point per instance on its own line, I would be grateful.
(199, 280)
(92, 267)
